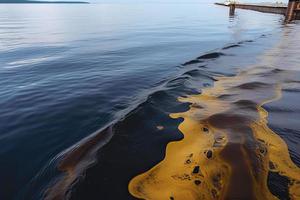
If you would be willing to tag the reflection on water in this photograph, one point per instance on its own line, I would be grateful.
(228, 149)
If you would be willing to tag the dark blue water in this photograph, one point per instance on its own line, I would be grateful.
(69, 70)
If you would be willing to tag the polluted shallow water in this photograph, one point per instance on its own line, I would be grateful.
(236, 138)
(226, 141)
(228, 149)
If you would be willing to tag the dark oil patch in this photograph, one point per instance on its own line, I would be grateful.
(231, 46)
(278, 185)
(211, 55)
(192, 62)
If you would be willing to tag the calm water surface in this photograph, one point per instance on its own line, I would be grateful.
(67, 71)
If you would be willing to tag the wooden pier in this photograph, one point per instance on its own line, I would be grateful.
(291, 10)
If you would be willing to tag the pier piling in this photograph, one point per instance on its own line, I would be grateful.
(231, 9)
(292, 11)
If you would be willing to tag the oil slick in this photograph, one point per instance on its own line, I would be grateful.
(227, 152)
(228, 148)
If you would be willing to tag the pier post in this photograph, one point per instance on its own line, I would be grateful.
(231, 9)
(291, 10)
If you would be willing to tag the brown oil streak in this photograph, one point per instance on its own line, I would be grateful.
(75, 161)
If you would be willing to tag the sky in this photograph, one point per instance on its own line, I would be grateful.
(160, 1)
(183, 1)
(166, 1)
